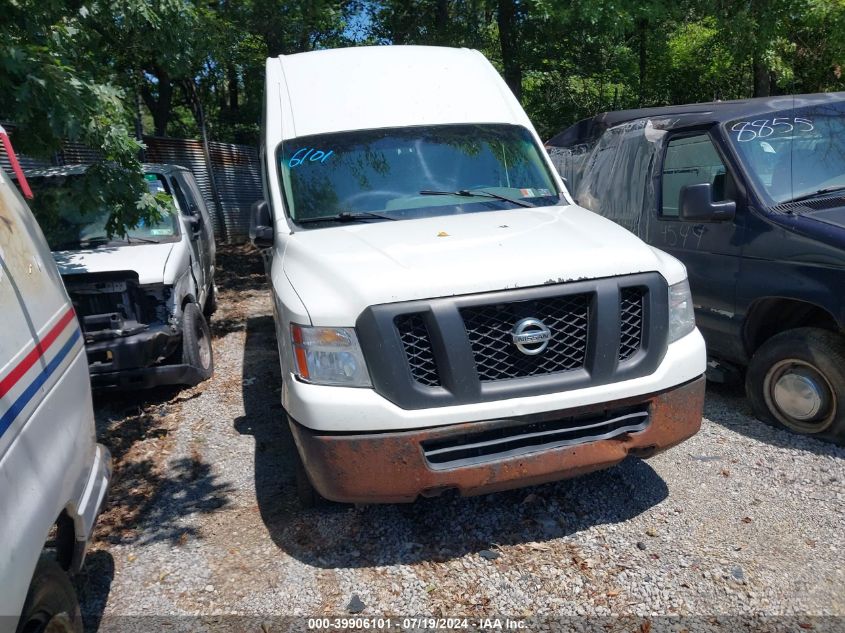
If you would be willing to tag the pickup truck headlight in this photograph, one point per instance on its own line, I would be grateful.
(681, 315)
(328, 356)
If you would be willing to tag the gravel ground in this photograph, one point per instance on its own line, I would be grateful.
(203, 519)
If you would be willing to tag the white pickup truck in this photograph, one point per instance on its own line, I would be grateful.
(142, 298)
(447, 318)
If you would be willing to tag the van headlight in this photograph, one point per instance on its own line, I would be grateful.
(681, 315)
(328, 356)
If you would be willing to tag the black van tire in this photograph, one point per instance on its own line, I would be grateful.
(50, 600)
(816, 356)
(196, 341)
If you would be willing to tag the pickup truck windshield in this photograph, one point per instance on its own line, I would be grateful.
(796, 153)
(69, 227)
(395, 172)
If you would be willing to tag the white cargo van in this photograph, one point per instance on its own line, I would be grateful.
(53, 474)
(447, 318)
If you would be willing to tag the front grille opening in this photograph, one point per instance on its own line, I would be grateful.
(512, 441)
(417, 343)
(490, 328)
(630, 322)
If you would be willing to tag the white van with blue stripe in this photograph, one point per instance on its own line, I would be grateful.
(53, 474)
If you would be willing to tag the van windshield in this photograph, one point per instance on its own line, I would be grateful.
(384, 172)
(68, 226)
(795, 153)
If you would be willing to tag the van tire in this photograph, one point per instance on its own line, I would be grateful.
(50, 600)
(814, 361)
(196, 341)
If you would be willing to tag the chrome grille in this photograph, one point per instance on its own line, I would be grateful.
(630, 322)
(417, 344)
(490, 328)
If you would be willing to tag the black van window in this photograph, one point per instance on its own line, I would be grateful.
(793, 153)
(181, 197)
(615, 178)
(690, 160)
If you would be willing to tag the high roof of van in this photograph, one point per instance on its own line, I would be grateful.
(383, 86)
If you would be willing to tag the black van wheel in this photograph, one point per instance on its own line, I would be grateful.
(196, 341)
(796, 380)
(51, 603)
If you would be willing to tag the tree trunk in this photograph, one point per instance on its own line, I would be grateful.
(509, 43)
(232, 80)
(159, 107)
(642, 26)
(441, 21)
(762, 77)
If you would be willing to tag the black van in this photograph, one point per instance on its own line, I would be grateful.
(750, 195)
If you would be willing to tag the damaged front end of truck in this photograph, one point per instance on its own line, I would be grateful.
(133, 332)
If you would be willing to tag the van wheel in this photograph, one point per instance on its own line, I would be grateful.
(796, 380)
(51, 603)
(196, 341)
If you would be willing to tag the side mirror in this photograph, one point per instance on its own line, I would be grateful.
(695, 204)
(195, 222)
(261, 225)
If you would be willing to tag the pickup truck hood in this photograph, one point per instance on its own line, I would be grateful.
(148, 260)
(339, 271)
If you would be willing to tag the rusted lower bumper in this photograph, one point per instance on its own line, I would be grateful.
(400, 466)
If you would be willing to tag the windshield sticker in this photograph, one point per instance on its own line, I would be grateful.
(309, 154)
(160, 232)
(534, 193)
(763, 128)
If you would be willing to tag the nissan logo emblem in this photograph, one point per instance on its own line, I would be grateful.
(531, 336)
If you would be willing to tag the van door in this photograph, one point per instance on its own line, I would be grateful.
(207, 237)
(189, 207)
(40, 332)
(710, 250)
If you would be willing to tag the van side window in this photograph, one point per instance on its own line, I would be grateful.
(690, 160)
(181, 197)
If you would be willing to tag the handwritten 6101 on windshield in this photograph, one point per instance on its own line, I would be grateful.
(309, 154)
(764, 128)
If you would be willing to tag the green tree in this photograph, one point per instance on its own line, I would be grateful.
(50, 89)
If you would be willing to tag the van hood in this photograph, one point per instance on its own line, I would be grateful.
(148, 260)
(339, 271)
(833, 217)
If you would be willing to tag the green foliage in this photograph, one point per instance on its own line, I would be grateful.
(52, 89)
(93, 71)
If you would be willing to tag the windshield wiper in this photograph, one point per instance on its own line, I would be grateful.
(129, 239)
(476, 194)
(813, 194)
(346, 216)
(91, 242)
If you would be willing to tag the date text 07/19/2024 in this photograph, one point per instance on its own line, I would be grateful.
(416, 624)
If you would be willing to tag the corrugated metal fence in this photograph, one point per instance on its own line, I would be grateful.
(234, 170)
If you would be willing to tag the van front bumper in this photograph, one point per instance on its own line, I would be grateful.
(399, 466)
(129, 362)
(92, 495)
